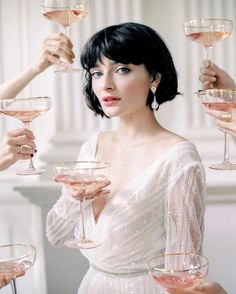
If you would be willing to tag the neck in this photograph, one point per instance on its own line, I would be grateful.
(138, 126)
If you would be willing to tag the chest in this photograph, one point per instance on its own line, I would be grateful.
(126, 167)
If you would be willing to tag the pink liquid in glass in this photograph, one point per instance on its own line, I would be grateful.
(14, 268)
(181, 281)
(207, 39)
(84, 182)
(24, 115)
(65, 17)
(223, 106)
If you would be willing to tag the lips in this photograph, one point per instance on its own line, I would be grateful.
(110, 100)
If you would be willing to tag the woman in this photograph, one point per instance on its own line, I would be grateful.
(155, 199)
(19, 144)
(213, 76)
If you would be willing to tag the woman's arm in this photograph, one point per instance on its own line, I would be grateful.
(185, 211)
(65, 214)
(62, 219)
(54, 47)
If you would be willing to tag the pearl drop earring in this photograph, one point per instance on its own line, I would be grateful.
(154, 104)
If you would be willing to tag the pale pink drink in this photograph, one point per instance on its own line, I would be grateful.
(65, 17)
(26, 109)
(207, 32)
(223, 106)
(178, 270)
(25, 116)
(181, 281)
(65, 13)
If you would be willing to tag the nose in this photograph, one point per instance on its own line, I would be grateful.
(108, 82)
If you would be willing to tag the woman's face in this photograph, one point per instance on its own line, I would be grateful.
(120, 88)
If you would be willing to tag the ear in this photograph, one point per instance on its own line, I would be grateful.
(156, 80)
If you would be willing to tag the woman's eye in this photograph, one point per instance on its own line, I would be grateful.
(123, 70)
(96, 74)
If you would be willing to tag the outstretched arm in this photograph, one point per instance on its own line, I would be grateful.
(54, 47)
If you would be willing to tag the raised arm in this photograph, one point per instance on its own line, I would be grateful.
(54, 47)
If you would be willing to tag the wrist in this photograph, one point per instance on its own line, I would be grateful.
(33, 71)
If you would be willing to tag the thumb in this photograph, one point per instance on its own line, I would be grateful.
(215, 68)
(207, 63)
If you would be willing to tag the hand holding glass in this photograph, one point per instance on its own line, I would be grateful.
(223, 100)
(88, 176)
(178, 270)
(207, 32)
(65, 13)
(26, 109)
(15, 259)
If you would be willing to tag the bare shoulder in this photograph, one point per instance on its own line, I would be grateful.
(105, 136)
(169, 139)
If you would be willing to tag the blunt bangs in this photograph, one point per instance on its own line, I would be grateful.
(118, 44)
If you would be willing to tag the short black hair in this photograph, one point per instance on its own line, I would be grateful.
(130, 43)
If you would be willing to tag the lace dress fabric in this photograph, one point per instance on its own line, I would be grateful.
(160, 210)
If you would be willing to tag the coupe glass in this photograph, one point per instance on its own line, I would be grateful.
(178, 270)
(207, 32)
(26, 109)
(65, 13)
(224, 100)
(15, 259)
(86, 174)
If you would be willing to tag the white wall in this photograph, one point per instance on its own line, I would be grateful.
(60, 132)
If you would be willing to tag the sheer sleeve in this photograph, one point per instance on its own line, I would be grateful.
(65, 214)
(185, 211)
(62, 219)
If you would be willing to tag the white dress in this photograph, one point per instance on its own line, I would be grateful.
(160, 210)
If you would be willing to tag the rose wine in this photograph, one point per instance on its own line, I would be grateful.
(179, 282)
(24, 115)
(65, 17)
(15, 268)
(207, 39)
(86, 182)
(223, 106)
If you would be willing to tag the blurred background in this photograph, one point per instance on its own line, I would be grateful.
(25, 200)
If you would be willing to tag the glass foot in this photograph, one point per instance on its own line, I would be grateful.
(68, 70)
(223, 166)
(29, 172)
(81, 244)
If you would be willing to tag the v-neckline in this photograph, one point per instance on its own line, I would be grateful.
(130, 182)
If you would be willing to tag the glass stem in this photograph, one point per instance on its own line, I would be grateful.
(31, 165)
(67, 31)
(13, 286)
(226, 148)
(209, 53)
(82, 236)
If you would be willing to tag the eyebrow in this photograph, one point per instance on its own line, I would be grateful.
(110, 61)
